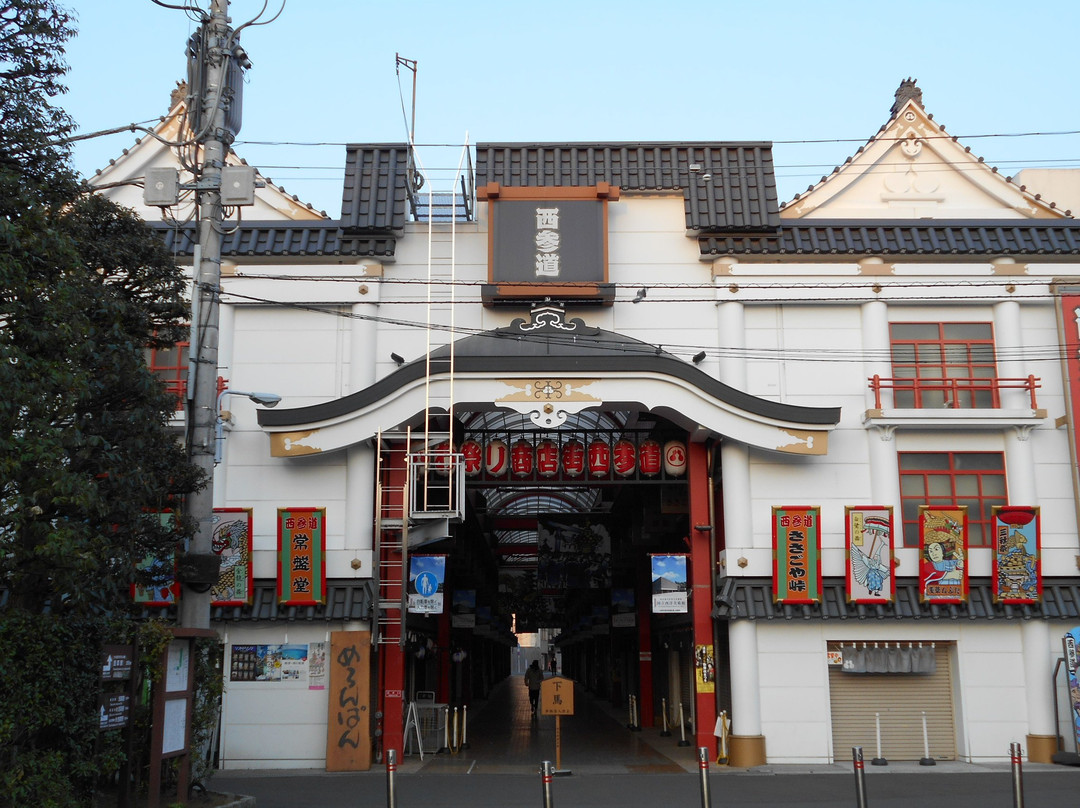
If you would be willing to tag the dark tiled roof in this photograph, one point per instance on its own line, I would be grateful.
(375, 196)
(732, 187)
(872, 237)
(345, 600)
(752, 598)
(279, 239)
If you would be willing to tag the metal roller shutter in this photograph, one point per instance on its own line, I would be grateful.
(901, 700)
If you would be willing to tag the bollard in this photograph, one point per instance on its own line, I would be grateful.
(682, 728)
(879, 760)
(703, 767)
(1017, 775)
(635, 719)
(547, 772)
(391, 770)
(464, 726)
(665, 732)
(860, 777)
(926, 760)
(455, 743)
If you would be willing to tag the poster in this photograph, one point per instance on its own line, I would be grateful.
(301, 556)
(796, 554)
(1017, 575)
(427, 578)
(623, 611)
(670, 594)
(572, 553)
(231, 540)
(317, 666)
(704, 669)
(869, 531)
(268, 663)
(463, 609)
(943, 546)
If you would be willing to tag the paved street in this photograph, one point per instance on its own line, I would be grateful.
(611, 767)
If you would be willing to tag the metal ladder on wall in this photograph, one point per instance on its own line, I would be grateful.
(392, 534)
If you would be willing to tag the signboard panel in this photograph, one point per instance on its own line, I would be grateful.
(1017, 556)
(796, 554)
(670, 593)
(943, 543)
(301, 556)
(869, 531)
(557, 696)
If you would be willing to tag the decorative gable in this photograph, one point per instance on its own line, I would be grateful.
(913, 169)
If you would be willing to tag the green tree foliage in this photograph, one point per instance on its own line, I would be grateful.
(86, 456)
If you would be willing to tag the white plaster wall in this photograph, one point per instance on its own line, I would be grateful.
(273, 725)
(988, 681)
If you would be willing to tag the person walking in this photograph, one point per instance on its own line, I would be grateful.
(533, 679)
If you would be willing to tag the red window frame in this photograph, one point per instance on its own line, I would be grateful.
(171, 366)
(969, 477)
(937, 365)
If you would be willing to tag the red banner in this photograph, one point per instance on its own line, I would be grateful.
(301, 556)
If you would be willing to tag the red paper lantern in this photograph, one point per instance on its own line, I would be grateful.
(521, 459)
(547, 458)
(625, 457)
(472, 455)
(496, 458)
(649, 458)
(573, 458)
(675, 458)
(599, 458)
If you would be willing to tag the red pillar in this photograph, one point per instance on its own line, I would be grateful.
(391, 687)
(701, 587)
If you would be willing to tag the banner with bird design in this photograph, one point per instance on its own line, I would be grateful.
(869, 532)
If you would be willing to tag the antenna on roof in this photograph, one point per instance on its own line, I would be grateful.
(416, 181)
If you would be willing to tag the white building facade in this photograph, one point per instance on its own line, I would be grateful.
(690, 309)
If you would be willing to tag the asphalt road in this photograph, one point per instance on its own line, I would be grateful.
(981, 787)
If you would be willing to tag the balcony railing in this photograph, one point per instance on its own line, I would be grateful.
(956, 394)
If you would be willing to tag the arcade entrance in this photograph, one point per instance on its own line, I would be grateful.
(556, 547)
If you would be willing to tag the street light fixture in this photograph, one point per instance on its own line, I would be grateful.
(266, 399)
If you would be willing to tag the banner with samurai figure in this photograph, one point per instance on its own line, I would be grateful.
(301, 556)
(1017, 556)
(796, 554)
(943, 549)
(870, 576)
(231, 540)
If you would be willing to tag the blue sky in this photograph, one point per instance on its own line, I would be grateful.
(324, 72)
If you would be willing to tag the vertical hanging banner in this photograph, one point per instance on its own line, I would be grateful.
(155, 578)
(670, 594)
(943, 549)
(869, 530)
(427, 579)
(796, 554)
(231, 540)
(301, 556)
(1072, 672)
(1017, 555)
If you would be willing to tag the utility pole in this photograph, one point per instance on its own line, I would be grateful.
(198, 568)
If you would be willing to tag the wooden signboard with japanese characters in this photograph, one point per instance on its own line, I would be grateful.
(548, 242)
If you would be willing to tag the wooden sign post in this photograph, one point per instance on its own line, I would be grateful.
(557, 699)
